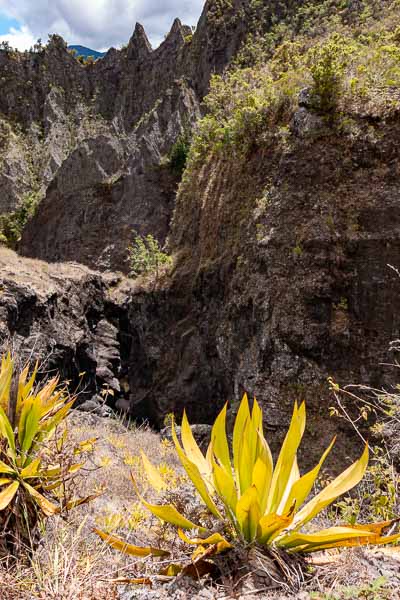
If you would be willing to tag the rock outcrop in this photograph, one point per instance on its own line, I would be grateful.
(95, 139)
(282, 280)
(60, 316)
(110, 185)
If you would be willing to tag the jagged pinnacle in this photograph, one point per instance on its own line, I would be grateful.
(139, 45)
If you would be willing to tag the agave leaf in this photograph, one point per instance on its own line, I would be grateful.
(49, 396)
(225, 487)
(215, 538)
(271, 525)
(31, 426)
(130, 549)
(254, 425)
(50, 424)
(256, 416)
(31, 470)
(4, 480)
(219, 441)
(202, 552)
(332, 535)
(167, 512)
(24, 389)
(245, 461)
(261, 479)
(5, 380)
(195, 476)
(287, 457)
(47, 507)
(293, 478)
(350, 543)
(264, 455)
(248, 513)
(194, 453)
(26, 407)
(376, 528)
(242, 417)
(5, 468)
(6, 431)
(8, 494)
(301, 489)
(342, 484)
(153, 476)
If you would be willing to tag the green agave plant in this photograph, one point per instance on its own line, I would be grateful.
(29, 416)
(259, 503)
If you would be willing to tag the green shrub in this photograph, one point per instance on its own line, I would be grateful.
(146, 256)
(12, 224)
(328, 63)
(179, 154)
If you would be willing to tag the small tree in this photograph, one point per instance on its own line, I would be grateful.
(179, 154)
(5, 47)
(146, 256)
(329, 61)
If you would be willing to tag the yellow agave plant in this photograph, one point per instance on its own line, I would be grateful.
(29, 415)
(262, 503)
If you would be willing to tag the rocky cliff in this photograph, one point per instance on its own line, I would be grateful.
(282, 229)
(96, 138)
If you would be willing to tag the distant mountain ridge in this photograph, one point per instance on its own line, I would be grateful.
(83, 51)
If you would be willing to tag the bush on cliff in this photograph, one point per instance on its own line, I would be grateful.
(145, 256)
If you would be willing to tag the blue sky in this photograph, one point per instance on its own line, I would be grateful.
(6, 23)
(97, 24)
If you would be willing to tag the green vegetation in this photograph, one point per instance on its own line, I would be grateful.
(178, 155)
(348, 62)
(251, 500)
(33, 475)
(12, 224)
(146, 256)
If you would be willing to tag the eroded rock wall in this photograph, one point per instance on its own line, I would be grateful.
(282, 280)
(93, 141)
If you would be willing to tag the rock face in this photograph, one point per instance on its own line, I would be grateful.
(94, 141)
(60, 316)
(284, 283)
(110, 185)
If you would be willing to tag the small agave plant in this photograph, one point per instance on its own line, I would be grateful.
(258, 503)
(29, 416)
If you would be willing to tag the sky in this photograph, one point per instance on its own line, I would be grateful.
(97, 24)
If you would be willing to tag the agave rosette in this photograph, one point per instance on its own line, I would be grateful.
(264, 503)
(36, 414)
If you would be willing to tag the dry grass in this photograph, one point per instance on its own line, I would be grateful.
(72, 563)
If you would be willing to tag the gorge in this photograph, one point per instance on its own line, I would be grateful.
(280, 246)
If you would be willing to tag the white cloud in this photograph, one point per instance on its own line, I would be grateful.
(97, 23)
(19, 38)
